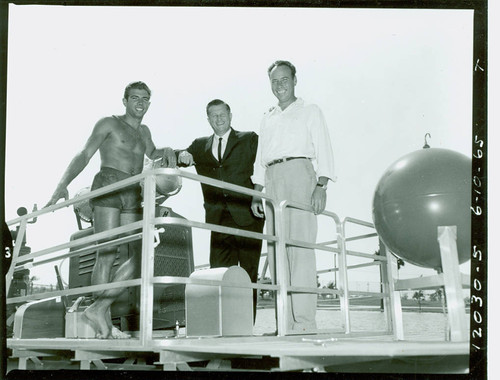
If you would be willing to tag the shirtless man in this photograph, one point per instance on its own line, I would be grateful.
(122, 142)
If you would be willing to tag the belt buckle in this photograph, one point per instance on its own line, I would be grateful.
(280, 160)
(277, 161)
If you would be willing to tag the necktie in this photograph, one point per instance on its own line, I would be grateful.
(219, 148)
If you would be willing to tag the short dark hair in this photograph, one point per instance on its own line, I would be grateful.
(136, 85)
(282, 63)
(218, 102)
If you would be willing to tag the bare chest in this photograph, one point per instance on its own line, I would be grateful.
(127, 138)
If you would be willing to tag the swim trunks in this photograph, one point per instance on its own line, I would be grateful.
(127, 199)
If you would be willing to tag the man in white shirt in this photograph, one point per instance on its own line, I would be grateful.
(293, 136)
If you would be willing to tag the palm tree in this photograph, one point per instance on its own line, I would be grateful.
(419, 296)
(437, 295)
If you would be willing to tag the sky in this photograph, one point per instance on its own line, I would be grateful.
(383, 78)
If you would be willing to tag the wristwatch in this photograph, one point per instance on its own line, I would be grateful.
(324, 187)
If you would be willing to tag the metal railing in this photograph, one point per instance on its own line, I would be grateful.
(145, 230)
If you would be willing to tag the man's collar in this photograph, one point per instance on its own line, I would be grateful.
(295, 103)
(225, 136)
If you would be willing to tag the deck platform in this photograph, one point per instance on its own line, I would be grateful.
(384, 348)
(269, 353)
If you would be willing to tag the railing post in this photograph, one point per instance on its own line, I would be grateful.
(281, 273)
(344, 286)
(447, 238)
(392, 306)
(15, 255)
(147, 260)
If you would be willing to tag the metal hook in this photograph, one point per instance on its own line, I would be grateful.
(35, 208)
(425, 140)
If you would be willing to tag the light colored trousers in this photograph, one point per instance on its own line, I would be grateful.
(296, 180)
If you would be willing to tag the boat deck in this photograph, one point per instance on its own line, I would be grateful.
(287, 353)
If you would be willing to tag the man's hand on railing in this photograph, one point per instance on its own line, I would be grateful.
(58, 194)
(186, 158)
(169, 160)
(257, 207)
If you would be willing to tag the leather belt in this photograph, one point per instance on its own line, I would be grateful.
(285, 159)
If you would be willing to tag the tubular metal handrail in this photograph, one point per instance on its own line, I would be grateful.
(281, 261)
(147, 232)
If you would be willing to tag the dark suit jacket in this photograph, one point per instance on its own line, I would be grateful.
(236, 168)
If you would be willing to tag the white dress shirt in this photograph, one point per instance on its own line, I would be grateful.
(215, 144)
(298, 131)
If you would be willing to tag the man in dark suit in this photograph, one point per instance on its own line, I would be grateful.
(229, 156)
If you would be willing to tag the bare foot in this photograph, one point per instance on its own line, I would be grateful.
(117, 334)
(98, 322)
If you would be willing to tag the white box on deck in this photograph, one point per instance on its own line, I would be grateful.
(219, 310)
